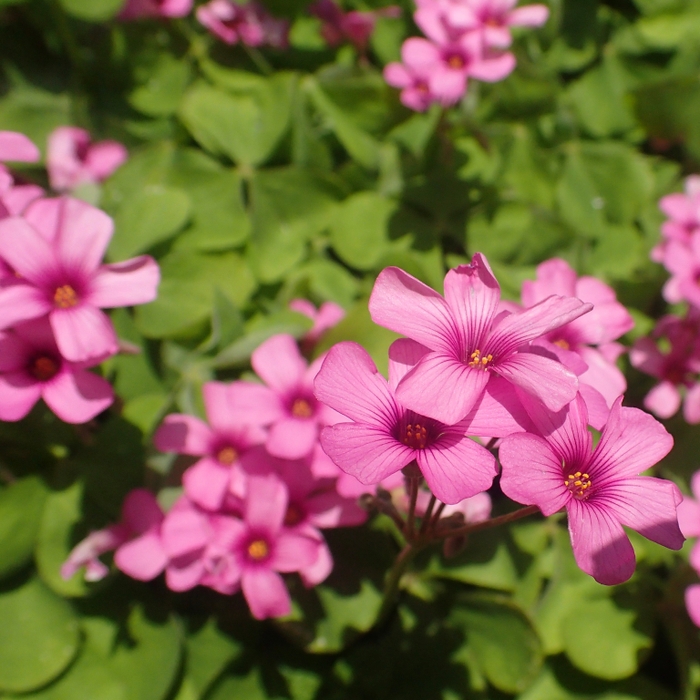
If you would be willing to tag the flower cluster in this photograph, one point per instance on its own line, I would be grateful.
(355, 26)
(249, 23)
(137, 9)
(53, 287)
(471, 367)
(465, 39)
(255, 500)
(672, 353)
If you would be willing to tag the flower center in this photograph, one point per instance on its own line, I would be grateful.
(415, 436)
(562, 344)
(293, 516)
(476, 359)
(258, 550)
(579, 484)
(65, 297)
(456, 61)
(44, 368)
(227, 456)
(301, 408)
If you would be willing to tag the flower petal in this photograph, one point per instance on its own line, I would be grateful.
(279, 363)
(77, 396)
(265, 593)
(266, 503)
(183, 434)
(26, 250)
(532, 473)
(292, 438)
(17, 146)
(544, 379)
(631, 442)
(349, 383)
(692, 603)
(83, 333)
(405, 305)
(442, 388)
(206, 483)
(456, 467)
(18, 394)
(126, 283)
(293, 551)
(365, 452)
(21, 302)
(647, 505)
(689, 517)
(601, 547)
(143, 558)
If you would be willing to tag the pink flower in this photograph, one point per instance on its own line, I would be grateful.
(605, 323)
(224, 552)
(600, 489)
(468, 343)
(60, 275)
(682, 260)
(72, 159)
(221, 446)
(287, 404)
(676, 369)
(683, 211)
(493, 19)
(249, 23)
(692, 603)
(31, 367)
(328, 315)
(355, 27)
(689, 519)
(16, 146)
(139, 552)
(384, 436)
(134, 9)
(412, 79)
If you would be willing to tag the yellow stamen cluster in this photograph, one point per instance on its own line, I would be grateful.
(302, 409)
(456, 62)
(578, 483)
(65, 297)
(476, 360)
(258, 550)
(416, 436)
(227, 456)
(563, 344)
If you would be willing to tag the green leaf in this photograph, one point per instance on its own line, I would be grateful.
(186, 291)
(163, 86)
(502, 639)
(209, 650)
(152, 216)
(40, 636)
(248, 687)
(362, 147)
(245, 124)
(92, 10)
(63, 511)
(604, 639)
(149, 660)
(289, 207)
(359, 229)
(21, 506)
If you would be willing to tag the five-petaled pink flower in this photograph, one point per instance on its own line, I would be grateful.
(31, 367)
(72, 159)
(220, 446)
(468, 342)
(385, 436)
(602, 490)
(59, 274)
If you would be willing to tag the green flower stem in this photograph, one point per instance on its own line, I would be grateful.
(259, 60)
(427, 516)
